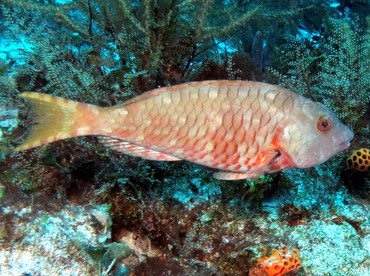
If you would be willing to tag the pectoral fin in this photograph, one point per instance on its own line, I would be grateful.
(265, 158)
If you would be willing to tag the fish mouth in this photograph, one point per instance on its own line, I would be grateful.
(347, 137)
(345, 145)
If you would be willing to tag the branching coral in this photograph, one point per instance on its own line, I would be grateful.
(159, 43)
(344, 78)
(334, 69)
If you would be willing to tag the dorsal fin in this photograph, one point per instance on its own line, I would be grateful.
(135, 150)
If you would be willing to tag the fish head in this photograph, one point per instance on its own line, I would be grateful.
(314, 134)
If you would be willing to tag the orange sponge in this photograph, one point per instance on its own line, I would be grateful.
(359, 160)
(278, 263)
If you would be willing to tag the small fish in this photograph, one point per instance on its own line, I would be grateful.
(243, 129)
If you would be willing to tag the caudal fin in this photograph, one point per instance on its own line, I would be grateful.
(55, 119)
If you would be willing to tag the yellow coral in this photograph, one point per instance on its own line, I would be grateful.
(359, 160)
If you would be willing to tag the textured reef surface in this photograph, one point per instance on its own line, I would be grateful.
(75, 207)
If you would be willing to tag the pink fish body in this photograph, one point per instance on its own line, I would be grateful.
(242, 129)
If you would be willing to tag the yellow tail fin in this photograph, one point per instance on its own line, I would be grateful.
(55, 119)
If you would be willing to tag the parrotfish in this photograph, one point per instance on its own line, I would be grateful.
(242, 129)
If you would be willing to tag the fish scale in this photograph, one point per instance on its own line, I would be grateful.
(195, 131)
(242, 129)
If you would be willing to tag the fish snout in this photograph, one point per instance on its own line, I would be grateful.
(347, 136)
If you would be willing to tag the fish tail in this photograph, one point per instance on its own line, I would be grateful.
(56, 118)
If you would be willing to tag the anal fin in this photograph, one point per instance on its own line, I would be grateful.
(135, 150)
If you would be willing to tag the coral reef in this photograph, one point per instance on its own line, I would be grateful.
(359, 160)
(76, 207)
(278, 263)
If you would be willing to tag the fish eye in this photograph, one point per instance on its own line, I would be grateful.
(324, 123)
